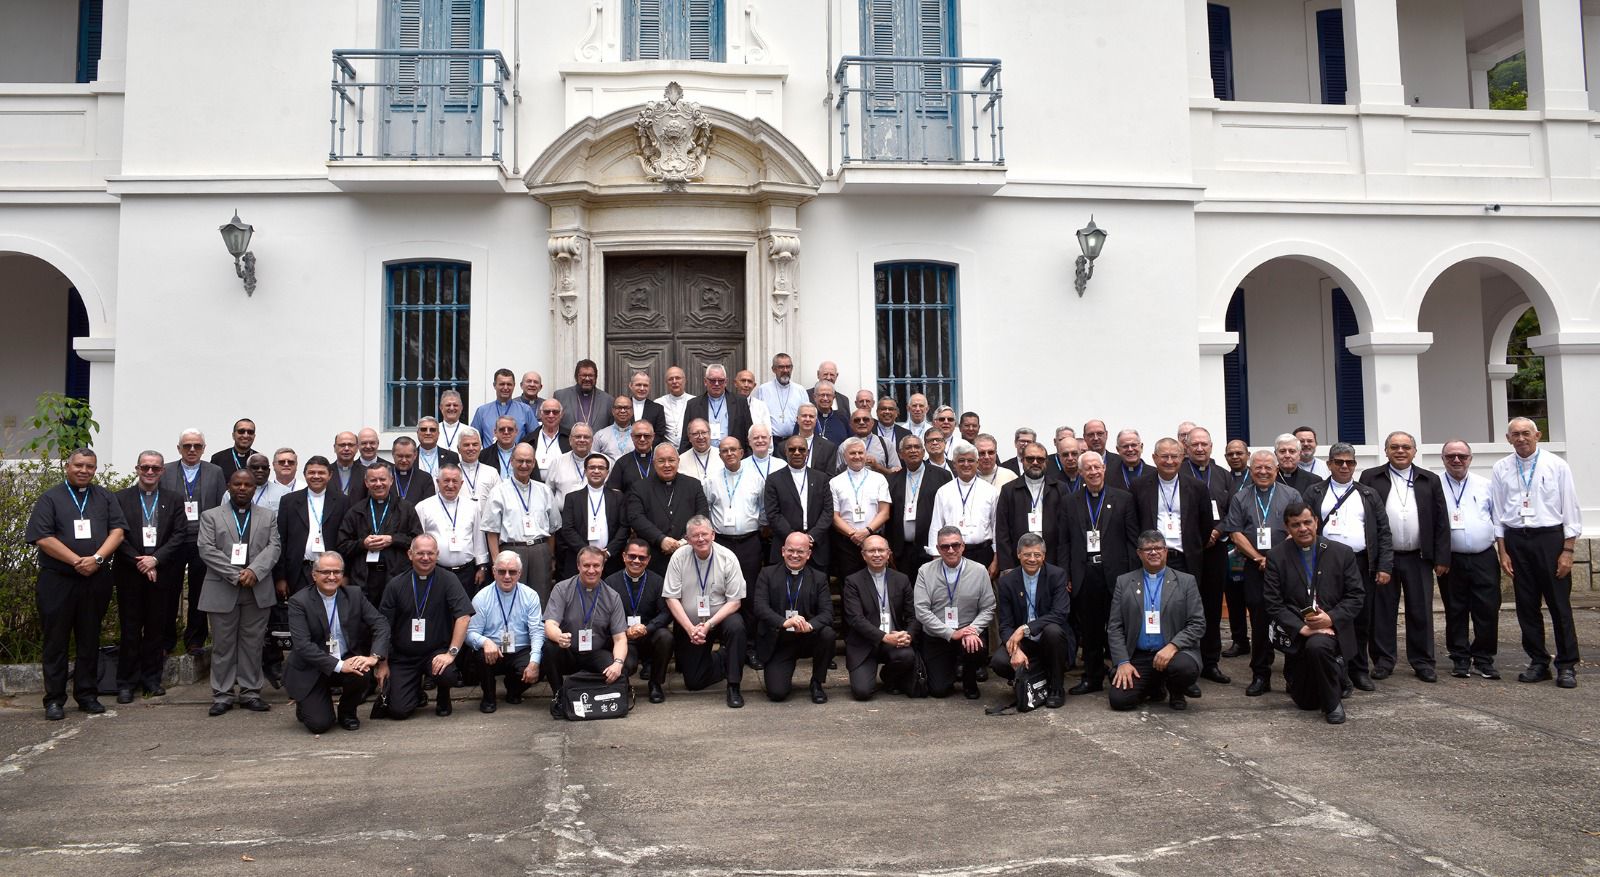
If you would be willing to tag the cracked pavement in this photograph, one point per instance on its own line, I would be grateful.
(1466, 777)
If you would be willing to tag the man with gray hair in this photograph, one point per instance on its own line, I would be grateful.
(1034, 604)
(967, 502)
(1359, 523)
(200, 486)
(450, 422)
(506, 634)
(724, 412)
(1063, 466)
(1020, 439)
(1287, 450)
(1255, 524)
(954, 603)
(145, 572)
(704, 588)
(1413, 498)
(429, 455)
(1154, 629)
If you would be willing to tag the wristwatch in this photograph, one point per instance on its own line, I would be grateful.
(453, 651)
(99, 561)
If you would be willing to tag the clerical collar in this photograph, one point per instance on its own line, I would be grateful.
(367, 462)
(796, 470)
(1172, 480)
(1033, 482)
(1398, 470)
(318, 494)
(187, 468)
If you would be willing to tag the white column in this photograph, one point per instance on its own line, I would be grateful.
(1591, 49)
(1212, 412)
(1500, 375)
(1571, 372)
(101, 354)
(1392, 394)
(113, 42)
(1372, 54)
(1478, 67)
(1198, 23)
(1553, 30)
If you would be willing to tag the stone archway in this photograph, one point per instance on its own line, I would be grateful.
(717, 183)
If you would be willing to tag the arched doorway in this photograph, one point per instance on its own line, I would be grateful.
(44, 314)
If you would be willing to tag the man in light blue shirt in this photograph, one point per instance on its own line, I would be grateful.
(782, 398)
(502, 405)
(507, 632)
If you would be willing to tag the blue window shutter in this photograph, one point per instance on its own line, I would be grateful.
(705, 30)
(90, 16)
(1349, 389)
(1330, 54)
(643, 23)
(1219, 24)
(1235, 377)
(692, 30)
(77, 367)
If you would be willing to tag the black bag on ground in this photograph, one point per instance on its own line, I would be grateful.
(585, 696)
(106, 680)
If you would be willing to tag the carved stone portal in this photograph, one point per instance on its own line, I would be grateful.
(674, 139)
(783, 250)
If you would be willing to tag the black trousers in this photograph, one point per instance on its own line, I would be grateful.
(1314, 675)
(1181, 672)
(558, 662)
(1091, 603)
(510, 666)
(700, 668)
(1412, 579)
(1255, 601)
(140, 607)
(845, 555)
(747, 549)
(315, 710)
(466, 573)
(192, 570)
(1359, 665)
(897, 663)
(1471, 591)
(1053, 649)
(405, 682)
(818, 645)
(948, 660)
(656, 647)
(980, 553)
(1238, 608)
(911, 559)
(1534, 553)
(77, 604)
(1213, 580)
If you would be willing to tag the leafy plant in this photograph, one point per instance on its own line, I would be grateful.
(1508, 83)
(63, 424)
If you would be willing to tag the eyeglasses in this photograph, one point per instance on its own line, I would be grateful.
(1153, 549)
(259, 467)
(191, 447)
(635, 558)
(149, 468)
(244, 432)
(1458, 456)
(507, 572)
(1341, 462)
(327, 573)
(954, 546)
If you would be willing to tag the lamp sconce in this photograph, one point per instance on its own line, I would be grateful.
(1090, 239)
(236, 236)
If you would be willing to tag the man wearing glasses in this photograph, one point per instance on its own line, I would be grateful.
(968, 503)
(704, 589)
(429, 455)
(1255, 524)
(145, 572)
(506, 633)
(649, 623)
(1154, 630)
(954, 604)
(1413, 498)
(1351, 514)
(200, 486)
(338, 638)
(725, 413)
(268, 490)
(231, 460)
(286, 470)
(1471, 589)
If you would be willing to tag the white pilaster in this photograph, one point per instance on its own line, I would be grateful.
(1372, 54)
(1500, 374)
(1212, 412)
(1392, 391)
(1571, 372)
(1554, 34)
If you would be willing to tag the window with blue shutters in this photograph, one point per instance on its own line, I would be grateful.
(912, 114)
(77, 327)
(431, 104)
(1235, 375)
(1219, 24)
(90, 16)
(681, 30)
(915, 310)
(1349, 388)
(1330, 54)
(427, 311)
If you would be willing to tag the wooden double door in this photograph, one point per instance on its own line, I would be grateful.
(663, 310)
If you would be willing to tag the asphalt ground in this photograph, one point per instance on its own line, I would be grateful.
(1462, 777)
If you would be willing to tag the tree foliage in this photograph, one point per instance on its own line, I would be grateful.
(1508, 83)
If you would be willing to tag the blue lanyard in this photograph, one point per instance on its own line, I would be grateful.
(545, 445)
(422, 603)
(714, 409)
(1031, 594)
(403, 488)
(1456, 494)
(1265, 507)
(1034, 505)
(1126, 481)
(851, 477)
(594, 507)
(1094, 510)
(449, 514)
(633, 599)
(950, 584)
(1165, 499)
(588, 607)
(1527, 480)
(1152, 590)
(333, 615)
(1411, 475)
(188, 484)
(505, 460)
(505, 612)
(1310, 570)
(313, 511)
(965, 496)
(1202, 475)
(915, 487)
(262, 491)
(756, 465)
(732, 488)
(471, 486)
(792, 588)
(377, 519)
(238, 461)
(83, 506)
(449, 438)
(705, 576)
(642, 463)
(523, 499)
(245, 526)
(883, 593)
(150, 510)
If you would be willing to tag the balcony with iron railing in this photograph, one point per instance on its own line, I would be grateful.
(404, 119)
(920, 122)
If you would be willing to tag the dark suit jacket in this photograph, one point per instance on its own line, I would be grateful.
(782, 503)
(169, 523)
(1183, 617)
(210, 489)
(656, 416)
(400, 522)
(1433, 521)
(218, 533)
(1300, 480)
(294, 528)
(699, 408)
(1119, 529)
(360, 623)
(652, 519)
(652, 610)
(445, 455)
(859, 604)
(1339, 589)
(838, 402)
(625, 472)
(358, 481)
(933, 479)
(824, 455)
(1380, 542)
(225, 460)
(574, 532)
(1051, 601)
(1011, 520)
(417, 483)
(770, 598)
(835, 427)
(1194, 510)
(1118, 476)
(599, 415)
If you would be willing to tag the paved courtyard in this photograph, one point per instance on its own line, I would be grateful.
(1459, 778)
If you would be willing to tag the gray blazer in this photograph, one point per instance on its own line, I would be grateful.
(217, 535)
(1183, 618)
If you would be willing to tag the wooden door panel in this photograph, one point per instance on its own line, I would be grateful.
(639, 294)
(665, 310)
(696, 354)
(651, 356)
(709, 293)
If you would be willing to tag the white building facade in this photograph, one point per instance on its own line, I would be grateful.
(1313, 216)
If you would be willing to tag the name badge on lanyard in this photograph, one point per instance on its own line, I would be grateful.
(1526, 510)
(191, 510)
(789, 613)
(81, 529)
(884, 624)
(634, 621)
(1457, 522)
(455, 541)
(1336, 523)
(857, 513)
(1092, 537)
(372, 557)
(716, 432)
(419, 629)
(316, 541)
(952, 617)
(1263, 538)
(240, 551)
(1215, 515)
(149, 537)
(702, 606)
(1152, 621)
(594, 528)
(527, 527)
(1171, 524)
(911, 505)
(1036, 521)
(586, 640)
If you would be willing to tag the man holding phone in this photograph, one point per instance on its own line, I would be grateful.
(1313, 589)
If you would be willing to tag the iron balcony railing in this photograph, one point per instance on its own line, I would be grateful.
(413, 105)
(928, 110)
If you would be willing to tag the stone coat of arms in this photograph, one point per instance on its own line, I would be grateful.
(674, 139)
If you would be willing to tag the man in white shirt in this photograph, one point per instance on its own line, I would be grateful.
(1308, 452)
(454, 522)
(745, 383)
(989, 468)
(704, 589)
(967, 503)
(672, 404)
(450, 422)
(782, 398)
(917, 421)
(1471, 589)
(521, 515)
(1537, 522)
(565, 473)
(268, 489)
(478, 479)
(861, 506)
(506, 633)
(286, 469)
(734, 497)
(429, 454)
(699, 461)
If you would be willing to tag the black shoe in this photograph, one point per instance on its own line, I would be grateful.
(1427, 674)
(443, 707)
(834, 665)
(275, 679)
(427, 684)
(1258, 686)
(1362, 681)
(656, 694)
(486, 706)
(423, 701)
(1535, 673)
(93, 707)
(1055, 700)
(196, 651)
(817, 694)
(1215, 674)
(1336, 715)
(1567, 679)
(1461, 671)
(983, 674)
(735, 697)
(1237, 650)
(1487, 672)
(54, 712)
(125, 695)
(218, 709)
(256, 705)
(1178, 702)
(155, 690)
(350, 723)
(516, 698)
(1085, 687)
(1381, 673)
(1347, 689)
(751, 661)
(969, 689)
(1194, 691)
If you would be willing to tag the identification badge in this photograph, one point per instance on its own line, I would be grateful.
(634, 621)
(81, 529)
(1152, 621)
(1335, 523)
(240, 551)
(149, 537)
(789, 613)
(1457, 522)
(952, 618)
(702, 606)
(191, 510)
(527, 527)
(506, 642)
(586, 640)
(1171, 524)
(316, 542)
(419, 629)
(1036, 521)
(1263, 538)
(1215, 515)
(372, 557)
(333, 647)
(884, 624)
(858, 514)
(911, 507)
(455, 541)
(1526, 510)
(1093, 538)
(594, 529)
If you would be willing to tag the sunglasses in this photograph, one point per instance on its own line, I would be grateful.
(191, 447)
(148, 468)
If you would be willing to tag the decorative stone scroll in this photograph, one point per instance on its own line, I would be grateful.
(566, 252)
(782, 251)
